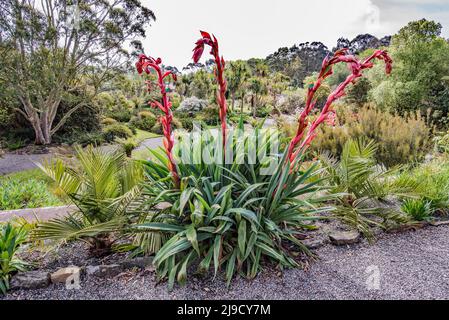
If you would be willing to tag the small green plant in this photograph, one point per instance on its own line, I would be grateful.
(417, 209)
(11, 237)
(108, 121)
(113, 131)
(128, 145)
(432, 179)
(16, 144)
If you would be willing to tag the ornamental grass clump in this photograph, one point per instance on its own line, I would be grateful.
(240, 214)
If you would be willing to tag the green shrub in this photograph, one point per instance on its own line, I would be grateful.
(108, 121)
(209, 115)
(113, 131)
(433, 181)
(11, 237)
(120, 114)
(400, 140)
(144, 121)
(417, 209)
(30, 193)
(264, 111)
(128, 145)
(186, 122)
(157, 128)
(442, 143)
(16, 144)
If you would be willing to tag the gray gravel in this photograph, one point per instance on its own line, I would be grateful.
(412, 265)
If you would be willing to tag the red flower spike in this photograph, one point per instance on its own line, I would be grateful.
(212, 42)
(327, 115)
(147, 64)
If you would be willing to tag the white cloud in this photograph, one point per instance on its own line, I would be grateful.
(256, 28)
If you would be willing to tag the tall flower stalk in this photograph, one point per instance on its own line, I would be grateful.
(207, 39)
(303, 137)
(146, 64)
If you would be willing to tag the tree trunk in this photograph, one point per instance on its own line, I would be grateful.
(232, 101)
(243, 99)
(253, 105)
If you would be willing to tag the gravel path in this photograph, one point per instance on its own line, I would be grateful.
(152, 143)
(11, 162)
(412, 265)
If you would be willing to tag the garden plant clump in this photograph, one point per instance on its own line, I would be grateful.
(231, 216)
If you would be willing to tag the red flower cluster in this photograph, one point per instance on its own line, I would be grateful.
(145, 64)
(207, 39)
(327, 114)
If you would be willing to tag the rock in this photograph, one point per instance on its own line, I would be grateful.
(439, 223)
(30, 280)
(104, 271)
(192, 105)
(63, 274)
(314, 243)
(140, 262)
(344, 237)
(162, 205)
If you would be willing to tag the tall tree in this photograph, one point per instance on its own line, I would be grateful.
(421, 61)
(237, 73)
(53, 48)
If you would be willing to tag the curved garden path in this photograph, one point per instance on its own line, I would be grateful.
(13, 162)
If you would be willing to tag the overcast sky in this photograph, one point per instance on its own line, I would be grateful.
(256, 28)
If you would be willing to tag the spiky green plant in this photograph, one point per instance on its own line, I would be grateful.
(229, 216)
(102, 187)
(364, 186)
(417, 209)
(11, 237)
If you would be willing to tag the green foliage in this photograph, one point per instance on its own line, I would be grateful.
(102, 188)
(363, 186)
(417, 209)
(421, 61)
(230, 217)
(16, 193)
(113, 131)
(209, 115)
(59, 61)
(442, 143)
(400, 140)
(144, 121)
(11, 237)
(108, 121)
(128, 145)
(292, 101)
(432, 179)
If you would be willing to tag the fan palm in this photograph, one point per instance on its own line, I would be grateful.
(364, 186)
(102, 187)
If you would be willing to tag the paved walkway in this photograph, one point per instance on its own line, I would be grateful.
(34, 214)
(11, 162)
